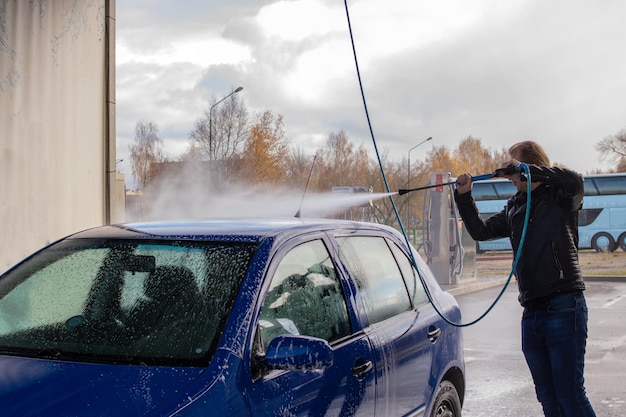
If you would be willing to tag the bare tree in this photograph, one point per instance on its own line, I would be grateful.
(145, 151)
(193, 153)
(613, 149)
(299, 165)
(221, 132)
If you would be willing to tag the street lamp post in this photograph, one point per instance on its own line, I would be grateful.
(238, 89)
(408, 184)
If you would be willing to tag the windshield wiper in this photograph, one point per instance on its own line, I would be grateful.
(50, 353)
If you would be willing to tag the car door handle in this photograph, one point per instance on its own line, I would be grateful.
(434, 333)
(359, 371)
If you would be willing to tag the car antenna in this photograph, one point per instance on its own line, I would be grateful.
(306, 186)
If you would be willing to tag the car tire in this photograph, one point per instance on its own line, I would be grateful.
(603, 242)
(447, 402)
(622, 241)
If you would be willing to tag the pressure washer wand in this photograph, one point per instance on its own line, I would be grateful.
(482, 177)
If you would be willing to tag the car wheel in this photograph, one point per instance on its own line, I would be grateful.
(447, 402)
(622, 241)
(603, 242)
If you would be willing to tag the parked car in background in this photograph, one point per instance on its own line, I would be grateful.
(228, 318)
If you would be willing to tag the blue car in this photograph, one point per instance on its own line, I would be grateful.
(285, 317)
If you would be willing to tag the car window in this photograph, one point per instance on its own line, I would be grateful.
(377, 275)
(305, 297)
(159, 302)
(413, 283)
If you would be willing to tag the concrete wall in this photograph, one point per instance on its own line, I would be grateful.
(57, 149)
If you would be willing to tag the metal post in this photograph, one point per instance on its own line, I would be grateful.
(211, 121)
(408, 184)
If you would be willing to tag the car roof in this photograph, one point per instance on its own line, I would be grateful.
(248, 230)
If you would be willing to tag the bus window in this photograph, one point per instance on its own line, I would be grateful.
(484, 191)
(493, 190)
(587, 216)
(610, 185)
(590, 187)
(505, 189)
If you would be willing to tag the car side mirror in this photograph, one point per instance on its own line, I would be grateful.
(299, 353)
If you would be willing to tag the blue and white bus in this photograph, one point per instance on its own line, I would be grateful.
(601, 222)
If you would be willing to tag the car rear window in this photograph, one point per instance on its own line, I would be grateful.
(147, 302)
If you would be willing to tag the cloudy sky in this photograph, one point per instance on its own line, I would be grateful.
(502, 71)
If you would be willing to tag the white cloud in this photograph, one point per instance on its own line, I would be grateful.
(203, 49)
(297, 20)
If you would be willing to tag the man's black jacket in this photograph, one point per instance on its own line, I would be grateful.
(548, 264)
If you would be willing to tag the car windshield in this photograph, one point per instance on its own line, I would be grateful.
(122, 301)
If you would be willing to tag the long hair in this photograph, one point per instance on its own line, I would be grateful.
(529, 152)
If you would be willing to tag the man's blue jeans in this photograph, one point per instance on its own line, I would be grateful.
(554, 337)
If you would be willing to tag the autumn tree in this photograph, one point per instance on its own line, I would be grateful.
(222, 131)
(341, 164)
(266, 151)
(413, 203)
(145, 151)
(471, 156)
(440, 159)
(613, 149)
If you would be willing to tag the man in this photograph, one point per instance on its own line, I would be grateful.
(554, 321)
